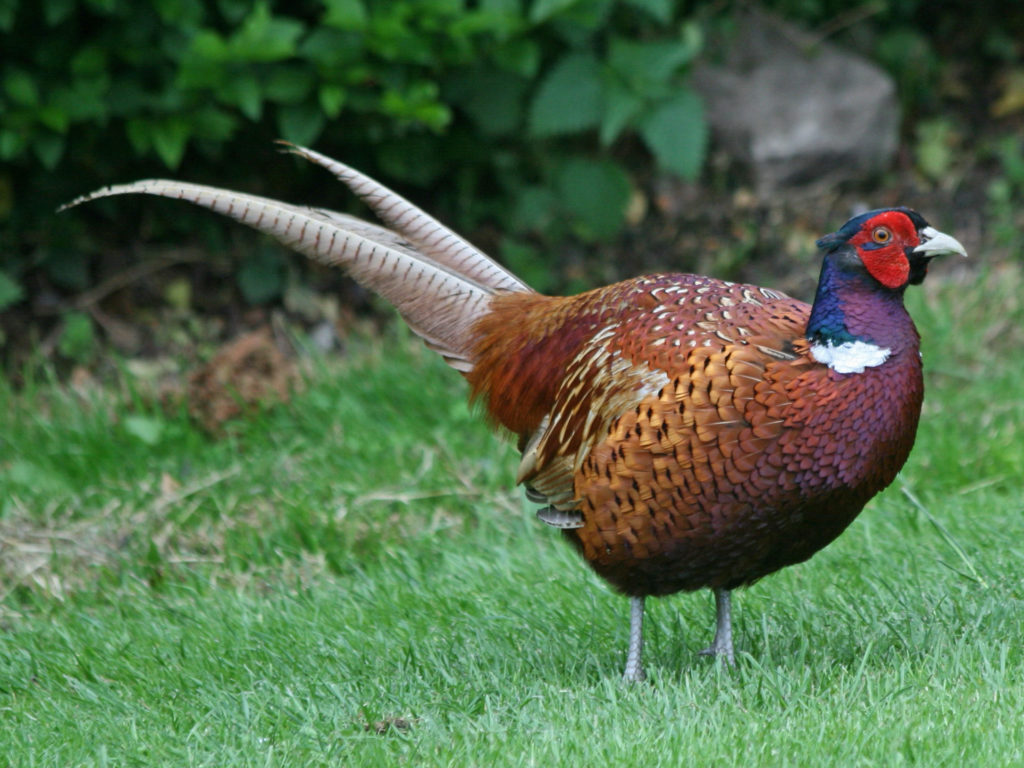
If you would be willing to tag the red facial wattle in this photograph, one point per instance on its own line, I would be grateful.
(882, 244)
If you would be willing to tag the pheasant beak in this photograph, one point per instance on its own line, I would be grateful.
(935, 243)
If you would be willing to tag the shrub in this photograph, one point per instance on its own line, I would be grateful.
(523, 101)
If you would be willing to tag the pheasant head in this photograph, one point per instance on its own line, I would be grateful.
(893, 245)
(858, 318)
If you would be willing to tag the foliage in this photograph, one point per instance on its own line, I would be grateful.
(514, 96)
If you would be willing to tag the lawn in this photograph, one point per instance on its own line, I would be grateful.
(351, 579)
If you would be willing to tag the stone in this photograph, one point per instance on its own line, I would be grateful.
(799, 112)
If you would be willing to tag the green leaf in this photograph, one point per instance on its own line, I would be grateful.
(418, 102)
(207, 44)
(7, 13)
(580, 21)
(55, 11)
(501, 24)
(85, 100)
(12, 143)
(204, 64)
(542, 10)
(145, 429)
(264, 37)
(936, 141)
(54, 118)
(647, 66)
(504, 7)
(492, 98)
(178, 294)
(300, 123)
(20, 86)
(180, 14)
(345, 14)
(332, 99)
(534, 208)
(621, 107)
(169, 137)
(244, 93)
(289, 84)
(214, 124)
(570, 97)
(595, 193)
(234, 11)
(11, 291)
(138, 135)
(90, 61)
(1011, 158)
(331, 52)
(49, 148)
(77, 340)
(676, 133)
(520, 56)
(659, 9)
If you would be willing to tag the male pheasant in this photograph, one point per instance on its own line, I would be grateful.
(683, 432)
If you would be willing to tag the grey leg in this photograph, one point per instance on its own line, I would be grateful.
(634, 668)
(722, 646)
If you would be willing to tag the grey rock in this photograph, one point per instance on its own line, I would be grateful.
(799, 112)
(324, 337)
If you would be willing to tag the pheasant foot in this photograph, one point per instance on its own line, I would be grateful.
(634, 667)
(721, 647)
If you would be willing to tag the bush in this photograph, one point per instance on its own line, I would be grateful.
(521, 101)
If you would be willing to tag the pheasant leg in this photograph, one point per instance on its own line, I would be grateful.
(634, 668)
(722, 645)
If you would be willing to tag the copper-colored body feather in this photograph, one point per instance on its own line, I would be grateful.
(685, 432)
(685, 419)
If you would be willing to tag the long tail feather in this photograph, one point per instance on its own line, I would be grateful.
(439, 301)
(431, 237)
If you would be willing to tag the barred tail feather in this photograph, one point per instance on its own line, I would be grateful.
(439, 302)
(430, 236)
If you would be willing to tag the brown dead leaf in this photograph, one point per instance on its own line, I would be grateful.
(247, 374)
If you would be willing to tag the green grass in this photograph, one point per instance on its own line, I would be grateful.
(351, 579)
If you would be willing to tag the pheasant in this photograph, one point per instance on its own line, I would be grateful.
(683, 432)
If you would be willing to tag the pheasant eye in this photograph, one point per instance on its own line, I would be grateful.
(881, 235)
